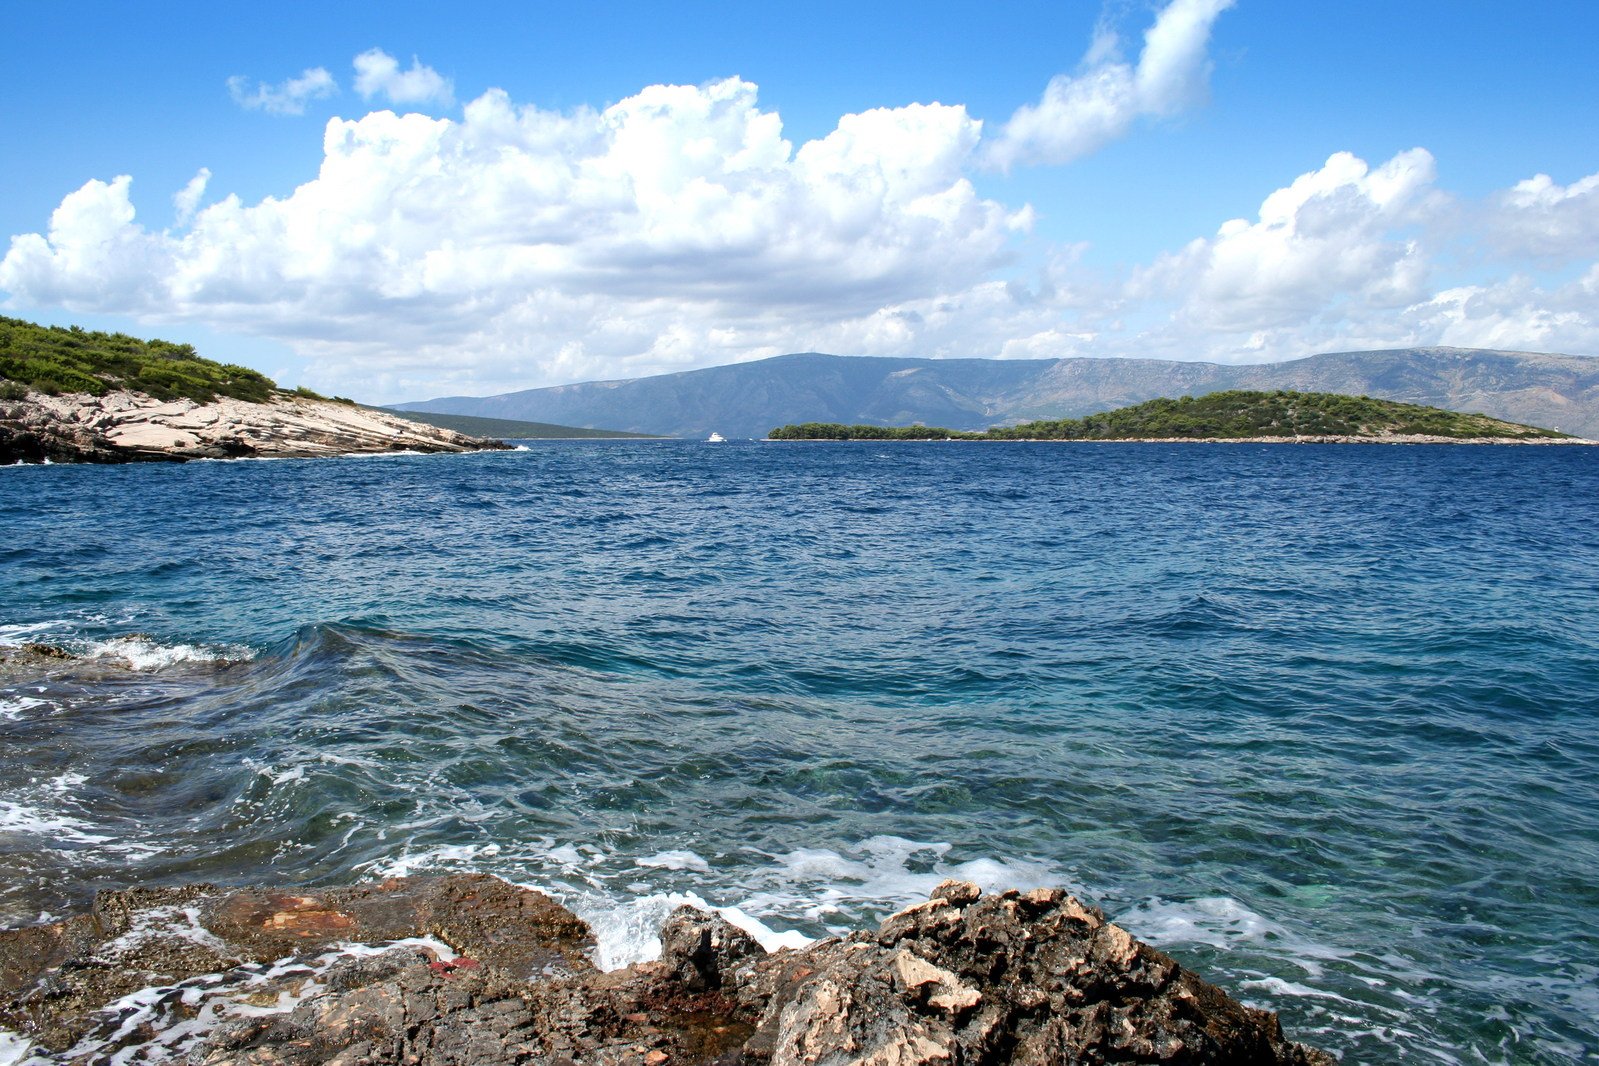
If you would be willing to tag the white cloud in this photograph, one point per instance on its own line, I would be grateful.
(285, 98)
(526, 245)
(678, 228)
(94, 255)
(1540, 220)
(1335, 235)
(187, 200)
(1515, 313)
(378, 74)
(1081, 113)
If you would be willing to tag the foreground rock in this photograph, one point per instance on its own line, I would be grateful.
(257, 976)
(123, 426)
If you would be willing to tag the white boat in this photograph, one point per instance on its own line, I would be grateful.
(715, 438)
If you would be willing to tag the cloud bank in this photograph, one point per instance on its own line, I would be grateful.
(514, 246)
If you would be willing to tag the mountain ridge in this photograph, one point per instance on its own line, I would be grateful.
(746, 399)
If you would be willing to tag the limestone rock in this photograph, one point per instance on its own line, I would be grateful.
(123, 426)
(1013, 978)
(702, 950)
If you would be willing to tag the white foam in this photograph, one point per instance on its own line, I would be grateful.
(629, 931)
(448, 856)
(1278, 987)
(163, 923)
(177, 1017)
(65, 784)
(768, 938)
(13, 635)
(143, 654)
(16, 1050)
(18, 818)
(431, 944)
(14, 707)
(884, 874)
(277, 777)
(846, 890)
(1216, 921)
(1225, 924)
(566, 854)
(675, 860)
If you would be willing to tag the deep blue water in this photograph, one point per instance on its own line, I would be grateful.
(1318, 720)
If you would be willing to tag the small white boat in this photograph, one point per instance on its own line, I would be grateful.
(715, 438)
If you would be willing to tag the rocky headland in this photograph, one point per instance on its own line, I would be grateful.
(469, 969)
(124, 426)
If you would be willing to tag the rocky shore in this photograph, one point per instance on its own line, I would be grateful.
(469, 969)
(124, 427)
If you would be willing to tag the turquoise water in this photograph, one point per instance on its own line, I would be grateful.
(1318, 720)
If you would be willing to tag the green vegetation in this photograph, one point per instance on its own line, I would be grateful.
(53, 359)
(1218, 415)
(509, 429)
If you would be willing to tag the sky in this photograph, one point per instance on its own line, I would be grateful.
(397, 201)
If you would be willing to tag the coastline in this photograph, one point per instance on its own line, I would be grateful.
(130, 427)
(1330, 439)
(473, 968)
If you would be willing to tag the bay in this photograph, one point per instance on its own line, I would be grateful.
(1318, 720)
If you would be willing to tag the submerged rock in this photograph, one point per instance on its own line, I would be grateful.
(259, 976)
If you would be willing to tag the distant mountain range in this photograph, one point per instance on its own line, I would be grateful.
(507, 428)
(749, 399)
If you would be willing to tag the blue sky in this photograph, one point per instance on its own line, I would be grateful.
(1182, 179)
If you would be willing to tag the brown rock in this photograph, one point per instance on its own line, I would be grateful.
(701, 950)
(1013, 978)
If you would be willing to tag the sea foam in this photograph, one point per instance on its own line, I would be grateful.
(147, 654)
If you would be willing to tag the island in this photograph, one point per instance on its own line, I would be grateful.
(70, 395)
(1232, 416)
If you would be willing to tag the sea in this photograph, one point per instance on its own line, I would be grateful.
(1320, 721)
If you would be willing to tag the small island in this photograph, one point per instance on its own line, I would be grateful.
(69, 395)
(1225, 417)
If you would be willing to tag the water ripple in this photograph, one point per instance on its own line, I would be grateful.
(1318, 720)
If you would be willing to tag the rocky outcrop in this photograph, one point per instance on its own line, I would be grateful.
(236, 977)
(122, 427)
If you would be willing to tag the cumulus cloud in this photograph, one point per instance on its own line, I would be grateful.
(378, 74)
(1333, 235)
(94, 255)
(187, 199)
(674, 225)
(285, 98)
(514, 246)
(1544, 221)
(1515, 313)
(1081, 113)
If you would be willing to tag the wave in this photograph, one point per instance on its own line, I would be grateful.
(781, 902)
(137, 651)
(12, 636)
(145, 653)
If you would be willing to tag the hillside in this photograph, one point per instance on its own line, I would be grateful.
(55, 359)
(747, 399)
(69, 395)
(1220, 416)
